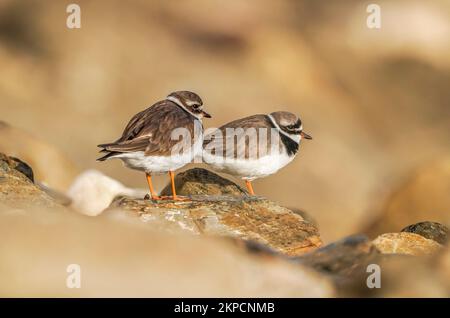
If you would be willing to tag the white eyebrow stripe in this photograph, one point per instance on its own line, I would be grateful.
(190, 103)
(179, 103)
(279, 129)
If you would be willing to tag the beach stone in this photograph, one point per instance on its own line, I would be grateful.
(406, 243)
(16, 186)
(430, 230)
(200, 181)
(248, 218)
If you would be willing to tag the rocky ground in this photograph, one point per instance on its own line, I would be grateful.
(220, 242)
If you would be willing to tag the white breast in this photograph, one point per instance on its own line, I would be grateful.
(248, 169)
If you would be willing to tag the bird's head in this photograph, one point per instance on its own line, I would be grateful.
(189, 101)
(290, 124)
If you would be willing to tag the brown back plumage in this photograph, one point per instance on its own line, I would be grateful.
(150, 131)
(240, 142)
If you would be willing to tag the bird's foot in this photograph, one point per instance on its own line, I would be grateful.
(152, 197)
(166, 198)
(180, 198)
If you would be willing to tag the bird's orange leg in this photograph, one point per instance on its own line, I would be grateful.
(172, 183)
(174, 192)
(249, 187)
(152, 190)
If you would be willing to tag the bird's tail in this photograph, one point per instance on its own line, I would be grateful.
(106, 146)
(109, 155)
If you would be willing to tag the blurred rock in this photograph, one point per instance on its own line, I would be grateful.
(59, 197)
(51, 167)
(407, 276)
(16, 188)
(425, 196)
(10, 163)
(92, 192)
(24, 168)
(122, 260)
(344, 257)
(444, 266)
(200, 181)
(214, 31)
(248, 218)
(430, 230)
(257, 248)
(406, 243)
(347, 263)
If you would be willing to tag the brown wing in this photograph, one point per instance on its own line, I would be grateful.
(150, 130)
(219, 140)
(144, 122)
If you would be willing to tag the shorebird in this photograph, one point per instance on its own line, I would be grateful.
(254, 147)
(150, 141)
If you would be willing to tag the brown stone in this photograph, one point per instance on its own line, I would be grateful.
(343, 257)
(16, 188)
(406, 243)
(430, 230)
(248, 218)
(200, 181)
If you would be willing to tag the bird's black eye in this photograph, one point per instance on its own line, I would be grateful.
(290, 127)
(196, 106)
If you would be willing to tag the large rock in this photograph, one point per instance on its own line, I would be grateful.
(217, 206)
(16, 186)
(406, 243)
(430, 230)
(248, 218)
(424, 196)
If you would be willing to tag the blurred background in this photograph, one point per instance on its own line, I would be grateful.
(376, 101)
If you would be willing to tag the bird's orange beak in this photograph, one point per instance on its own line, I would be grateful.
(305, 135)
